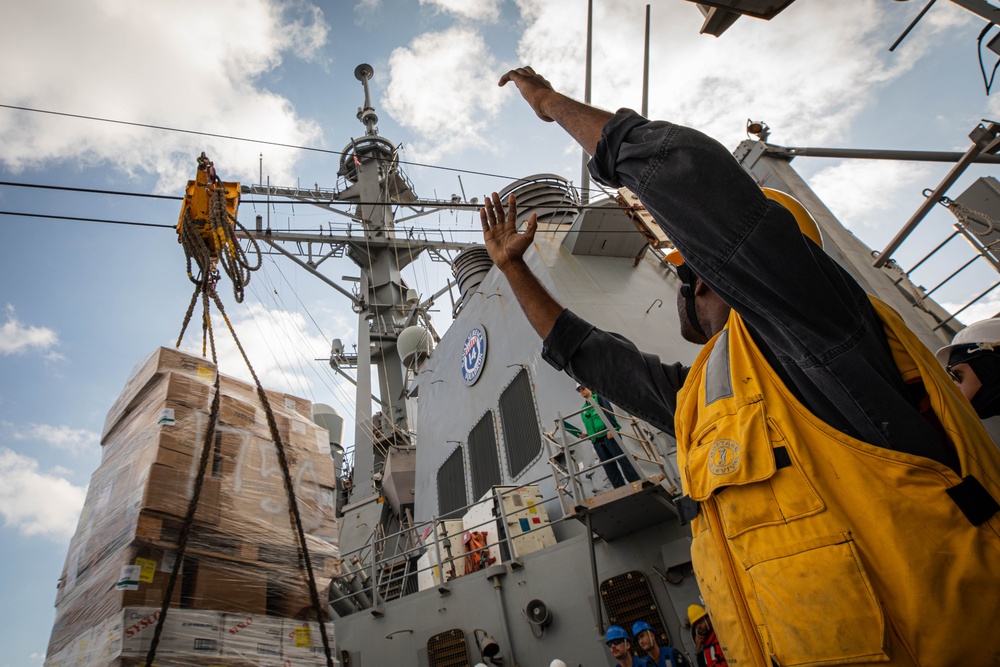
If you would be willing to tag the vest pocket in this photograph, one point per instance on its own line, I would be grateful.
(822, 585)
(734, 460)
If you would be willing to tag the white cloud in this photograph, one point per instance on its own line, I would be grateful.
(714, 84)
(17, 338)
(76, 440)
(36, 502)
(471, 10)
(282, 347)
(197, 69)
(860, 192)
(448, 111)
(984, 309)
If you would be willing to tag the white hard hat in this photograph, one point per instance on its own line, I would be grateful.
(557, 663)
(985, 333)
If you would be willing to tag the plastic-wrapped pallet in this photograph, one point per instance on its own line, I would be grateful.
(241, 581)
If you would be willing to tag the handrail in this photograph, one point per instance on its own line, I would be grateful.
(375, 547)
(440, 563)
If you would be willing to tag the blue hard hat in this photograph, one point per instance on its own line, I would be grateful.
(641, 626)
(615, 632)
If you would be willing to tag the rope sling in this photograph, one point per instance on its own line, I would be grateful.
(210, 241)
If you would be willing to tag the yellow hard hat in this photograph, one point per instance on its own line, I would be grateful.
(807, 225)
(696, 613)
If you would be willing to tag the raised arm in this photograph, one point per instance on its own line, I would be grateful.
(582, 121)
(507, 247)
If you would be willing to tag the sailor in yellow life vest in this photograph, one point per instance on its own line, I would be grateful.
(842, 494)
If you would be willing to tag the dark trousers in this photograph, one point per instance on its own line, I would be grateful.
(607, 449)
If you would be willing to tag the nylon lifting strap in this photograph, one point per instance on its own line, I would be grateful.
(208, 244)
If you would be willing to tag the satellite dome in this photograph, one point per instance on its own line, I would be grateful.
(414, 345)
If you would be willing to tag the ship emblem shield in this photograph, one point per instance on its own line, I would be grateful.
(724, 457)
(474, 355)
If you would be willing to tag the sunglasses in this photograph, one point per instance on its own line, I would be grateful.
(616, 642)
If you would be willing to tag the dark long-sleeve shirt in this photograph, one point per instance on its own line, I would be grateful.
(812, 321)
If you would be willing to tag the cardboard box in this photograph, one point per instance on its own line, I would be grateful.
(279, 402)
(303, 435)
(229, 587)
(288, 594)
(254, 638)
(303, 643)
(106, 640)
(189, 378)
(253, 497)
(128, 576)
(154, 567)
(244, 391)
(137, 438)
(294, 404)
(186, 632)
(169, 490)
(176, 453)
(325, 557)
(241, 414)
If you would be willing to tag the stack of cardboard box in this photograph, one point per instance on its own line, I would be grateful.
(241, 574)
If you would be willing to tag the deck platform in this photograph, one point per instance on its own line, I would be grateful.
(628, 508)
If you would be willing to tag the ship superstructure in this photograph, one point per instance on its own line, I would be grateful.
(491, 533)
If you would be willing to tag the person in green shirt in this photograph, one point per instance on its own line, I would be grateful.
(606, 446)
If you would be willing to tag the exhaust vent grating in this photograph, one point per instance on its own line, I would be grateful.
(448, 649)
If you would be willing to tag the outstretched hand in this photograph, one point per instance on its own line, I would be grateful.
(533, 88)
(503, 242)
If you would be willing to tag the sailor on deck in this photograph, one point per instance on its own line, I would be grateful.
(656, 655)
(605, 445)
(973, 362)
(842, 494)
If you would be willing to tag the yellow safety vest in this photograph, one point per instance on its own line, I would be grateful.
(814, 548)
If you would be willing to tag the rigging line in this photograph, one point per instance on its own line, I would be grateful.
(167, 129)
(337, 390)
(235, 138)
(422, 204)
(276, 327)
(304, 370)
(71, 218)
(332, 390)
(67, 188)
(74, 218)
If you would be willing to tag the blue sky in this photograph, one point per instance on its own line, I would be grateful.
(81, 303)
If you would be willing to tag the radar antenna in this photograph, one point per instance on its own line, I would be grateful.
(366, 114)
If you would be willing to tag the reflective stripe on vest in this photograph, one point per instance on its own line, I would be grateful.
(718, 379)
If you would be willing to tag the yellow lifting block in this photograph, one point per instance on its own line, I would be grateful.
(197, 206)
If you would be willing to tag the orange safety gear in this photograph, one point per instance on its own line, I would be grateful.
(477, 554)
(812, 547)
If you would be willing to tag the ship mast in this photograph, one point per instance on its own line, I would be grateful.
(384, 303)
(370, 164)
